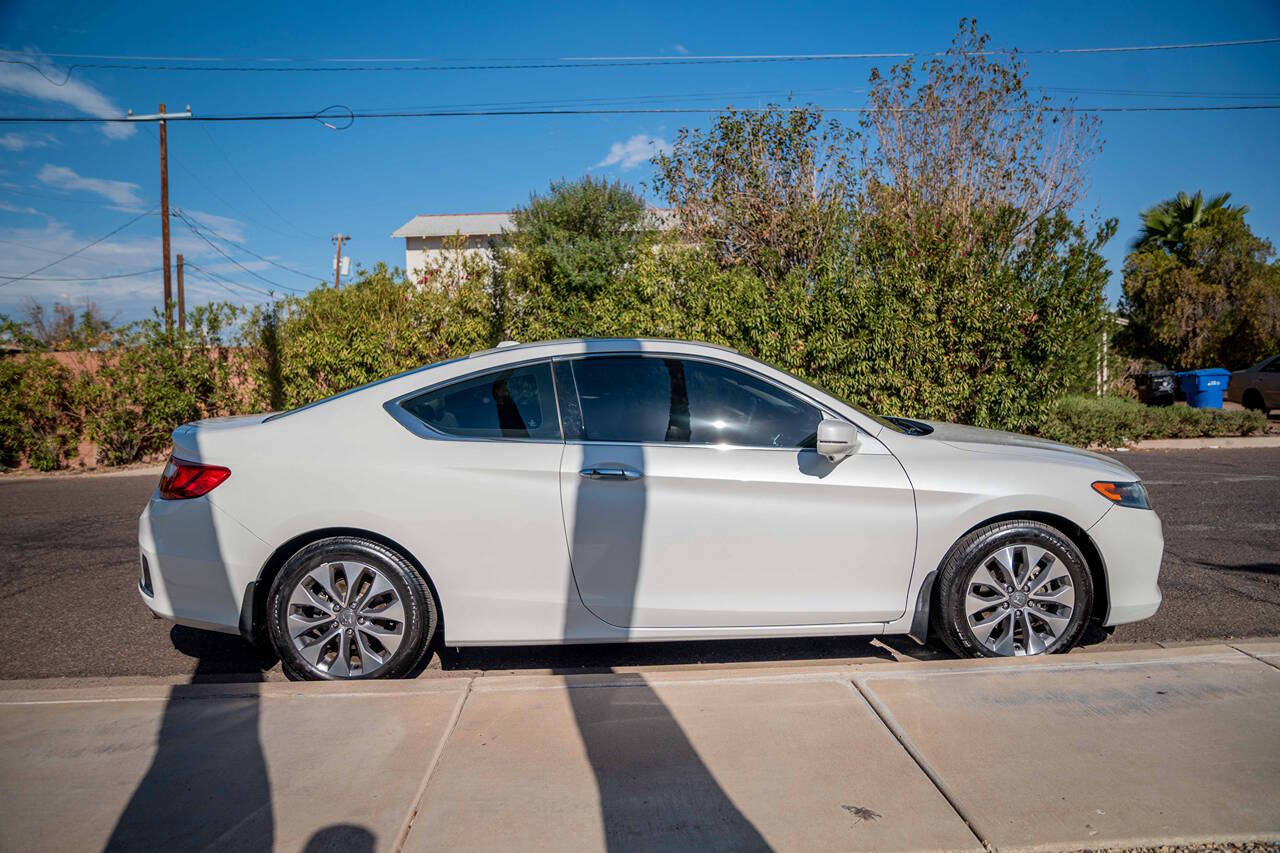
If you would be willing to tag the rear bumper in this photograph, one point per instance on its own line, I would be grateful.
(199, 561)
(1131, 542)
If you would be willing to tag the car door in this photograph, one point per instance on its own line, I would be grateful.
(488, 520)
(693, 497)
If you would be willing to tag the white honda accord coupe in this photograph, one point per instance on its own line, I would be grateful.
(591, 491)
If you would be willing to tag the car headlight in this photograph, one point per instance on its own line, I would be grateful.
(1124, 494)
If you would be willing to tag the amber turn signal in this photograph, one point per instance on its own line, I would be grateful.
(1125, 494)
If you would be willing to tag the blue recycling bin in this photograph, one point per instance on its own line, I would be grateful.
(1204, 388)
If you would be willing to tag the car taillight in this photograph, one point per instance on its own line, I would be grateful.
(182, 479)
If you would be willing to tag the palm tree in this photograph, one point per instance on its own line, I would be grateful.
(1170, 223)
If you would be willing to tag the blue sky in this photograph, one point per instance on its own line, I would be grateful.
(280, 189)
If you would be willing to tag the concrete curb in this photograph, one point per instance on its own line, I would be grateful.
(1225, 442)
(126, 471)
(879, 756)
(218, 684)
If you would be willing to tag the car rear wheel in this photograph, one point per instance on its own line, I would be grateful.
(348, 608)
(1013, 588)
(1253, 400)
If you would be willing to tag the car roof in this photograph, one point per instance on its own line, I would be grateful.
(509, 346)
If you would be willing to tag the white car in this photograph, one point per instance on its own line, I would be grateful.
(1257, 387)
(591, 491)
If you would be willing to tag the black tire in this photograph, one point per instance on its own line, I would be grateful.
(968, 555)
(421, 613)
(1253, 400)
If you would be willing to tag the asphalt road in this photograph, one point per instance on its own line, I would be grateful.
(68, 559)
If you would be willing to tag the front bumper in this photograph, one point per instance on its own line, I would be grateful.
(1131, 542)
(199, 562)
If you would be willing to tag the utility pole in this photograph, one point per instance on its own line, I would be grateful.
(338, 239)
(162, 118)
(164, 221)
(182, 302)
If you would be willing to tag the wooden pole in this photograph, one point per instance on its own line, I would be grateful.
(182, 301)
(337, 261)
(164, 222)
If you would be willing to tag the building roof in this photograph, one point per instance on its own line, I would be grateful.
(449, 224)
(484, 224)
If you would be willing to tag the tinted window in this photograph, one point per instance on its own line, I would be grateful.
(634, 398)
(1273, 367)
(518, 402)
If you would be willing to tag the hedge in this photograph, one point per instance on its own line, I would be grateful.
(1118, 421)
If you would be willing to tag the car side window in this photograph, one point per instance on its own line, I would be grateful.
(1273, 367)
(515, 402)
(685, 401)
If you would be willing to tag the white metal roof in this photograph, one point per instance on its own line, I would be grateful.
(485, 224)
(449, 224)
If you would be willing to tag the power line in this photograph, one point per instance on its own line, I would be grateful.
(59, 198)
(82, 278)
(196, 231)
(515, 113)
(229, 206)
(256, 194)
(1159, 93)
(247, 250)
(78, 251)
(222, 281)
(292, 64)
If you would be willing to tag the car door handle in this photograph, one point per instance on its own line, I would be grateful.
(611, 472)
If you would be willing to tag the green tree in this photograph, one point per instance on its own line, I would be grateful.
(962, 137)
(769, 190)
(567, 247)
(1210, 299)
(1168, 225)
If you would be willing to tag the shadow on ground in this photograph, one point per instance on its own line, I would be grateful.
(221, 657)
(607, 657)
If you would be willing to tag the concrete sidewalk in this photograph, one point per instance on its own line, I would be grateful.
(1087, 750)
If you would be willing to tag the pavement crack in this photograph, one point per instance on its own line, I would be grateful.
(421, 794)
(886, 719)
(1271, 664)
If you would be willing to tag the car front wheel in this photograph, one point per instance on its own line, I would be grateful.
(348, 608)
(1013, 588)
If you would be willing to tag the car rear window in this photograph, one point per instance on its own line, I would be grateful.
(514, 402)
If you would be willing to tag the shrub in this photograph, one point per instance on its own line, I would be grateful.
(303, 349)
(39, 419)
(1118, 421)
(155, 381)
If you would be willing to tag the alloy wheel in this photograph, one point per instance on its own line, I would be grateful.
(346, 618)
(1019, 600)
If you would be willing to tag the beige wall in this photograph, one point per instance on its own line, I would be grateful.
(419, 250)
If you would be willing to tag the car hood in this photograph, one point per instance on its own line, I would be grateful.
(980, 440)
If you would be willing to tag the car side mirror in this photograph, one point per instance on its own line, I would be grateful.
(836, 439)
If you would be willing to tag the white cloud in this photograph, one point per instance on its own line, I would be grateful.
(122, 193)
(223, 226)
(30, 211)
(636, 150)
(20, 142)
(80, 96)
(680, 49)
(134, 250)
